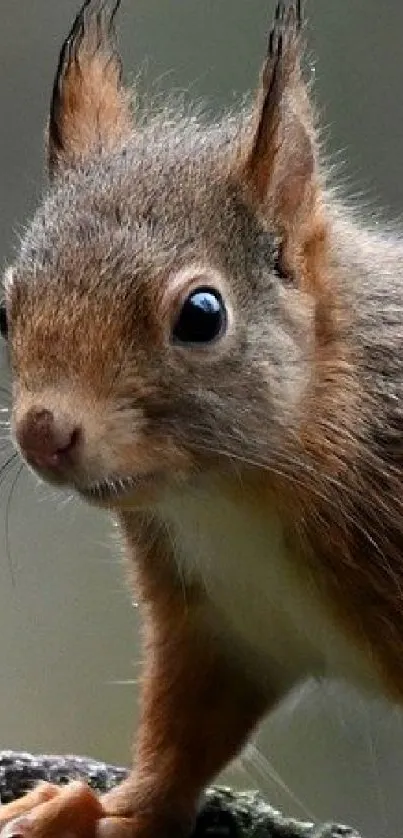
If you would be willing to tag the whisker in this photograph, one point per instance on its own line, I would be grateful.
(178, 563)
(5, 467)
(65, 501)
(374, 765)
(255, 759)
(7, 522)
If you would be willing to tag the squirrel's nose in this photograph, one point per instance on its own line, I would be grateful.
(47, 441)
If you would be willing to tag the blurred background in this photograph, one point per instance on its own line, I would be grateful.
(68, 629)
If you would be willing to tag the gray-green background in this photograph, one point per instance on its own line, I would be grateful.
(68, 632)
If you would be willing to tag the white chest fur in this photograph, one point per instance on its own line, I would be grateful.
(267, 602)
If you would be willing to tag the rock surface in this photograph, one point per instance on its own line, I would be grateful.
(224, 813)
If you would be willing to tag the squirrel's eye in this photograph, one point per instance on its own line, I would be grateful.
(3, 320)
(202, 319)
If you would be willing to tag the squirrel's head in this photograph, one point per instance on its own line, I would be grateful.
(166, 308)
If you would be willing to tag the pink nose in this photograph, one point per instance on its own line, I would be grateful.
(47, 442)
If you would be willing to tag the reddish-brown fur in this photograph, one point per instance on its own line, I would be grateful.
(91, 85)
(294, 417)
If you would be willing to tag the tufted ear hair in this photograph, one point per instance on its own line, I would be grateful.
(90, 108)
(280, 167)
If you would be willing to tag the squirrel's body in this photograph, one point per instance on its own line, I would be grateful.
(205, 340)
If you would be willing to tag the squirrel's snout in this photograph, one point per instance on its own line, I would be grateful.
(48, 441)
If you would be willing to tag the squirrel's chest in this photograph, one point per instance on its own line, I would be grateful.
(267, 598)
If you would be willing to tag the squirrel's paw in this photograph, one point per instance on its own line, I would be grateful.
(71, 811)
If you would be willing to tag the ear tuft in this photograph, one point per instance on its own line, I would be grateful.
(282, 95)
(280, 161)
(90, 109)
(283, 45)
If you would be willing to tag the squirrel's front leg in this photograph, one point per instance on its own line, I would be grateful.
(197, 712)
(198, 708)
(196, 716)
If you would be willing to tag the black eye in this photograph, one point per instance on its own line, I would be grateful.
(203, 317)
(3, 320)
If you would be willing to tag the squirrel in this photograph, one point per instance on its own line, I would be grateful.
(205, 340)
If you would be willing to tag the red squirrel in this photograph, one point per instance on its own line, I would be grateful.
(207, 342)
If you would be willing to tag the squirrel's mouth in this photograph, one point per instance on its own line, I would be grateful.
(115, 489)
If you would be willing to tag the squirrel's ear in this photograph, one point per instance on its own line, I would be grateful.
(90, 109)
(280, 165)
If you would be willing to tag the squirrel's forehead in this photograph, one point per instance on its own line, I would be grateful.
(125, 210)
(90, 236)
